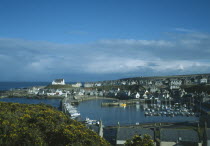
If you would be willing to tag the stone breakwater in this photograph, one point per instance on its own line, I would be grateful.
(125, 102)
(77, 99)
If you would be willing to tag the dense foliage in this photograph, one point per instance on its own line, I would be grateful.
(22, 124)
(140, 141)
(197, 88)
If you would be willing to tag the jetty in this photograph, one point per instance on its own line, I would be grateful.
(67, 106)
(123, 102)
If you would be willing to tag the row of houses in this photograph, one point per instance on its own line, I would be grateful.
(174, 83)
(158, 91)
(48, 92)
(164, 136)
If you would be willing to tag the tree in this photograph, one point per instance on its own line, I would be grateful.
(137, 140)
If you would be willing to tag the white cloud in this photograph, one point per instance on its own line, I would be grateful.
(187, 53)
(132, 42)
(184, 30)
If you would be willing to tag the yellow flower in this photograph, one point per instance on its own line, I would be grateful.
(5, 122)
(13, 135)
(26, 116)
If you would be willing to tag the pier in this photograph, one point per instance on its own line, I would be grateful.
(68, 108)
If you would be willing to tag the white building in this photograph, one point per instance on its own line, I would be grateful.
(145, 95)
(51, 94)
(58, 82)
(150, 83)
(33, 90)
(175, 84)
(187, 82)
(158, 83)
(123, 83)
(203, 80)
(174, 87)
(81, 93)
(77, 85)
(98, 84)
(153, 89)
(137, 95)
(133, 83)
(58, 92)
(88, 85)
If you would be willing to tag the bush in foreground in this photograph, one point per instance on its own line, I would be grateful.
(137, 140)
(22, 124)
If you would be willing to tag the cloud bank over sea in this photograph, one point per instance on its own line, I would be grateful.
(180, 52)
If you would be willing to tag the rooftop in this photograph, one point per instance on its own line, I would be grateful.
(58, 80)
(124, 133)
(187, 135)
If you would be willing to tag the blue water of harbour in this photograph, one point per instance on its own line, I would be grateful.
(53, 102)
(110, 116)
(129, 115)
(92, 108)
(12, 85)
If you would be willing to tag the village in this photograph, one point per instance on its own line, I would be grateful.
(165, 96)
(132, 88)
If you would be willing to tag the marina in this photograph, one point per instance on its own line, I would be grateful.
(134, 113)
(169, 110)
(103, 73)
(71, 110)
(111, 115)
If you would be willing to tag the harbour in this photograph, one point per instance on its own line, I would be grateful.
(125, 115)
(110, 115)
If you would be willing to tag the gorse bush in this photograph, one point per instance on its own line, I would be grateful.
(138, 140)
(22, 124)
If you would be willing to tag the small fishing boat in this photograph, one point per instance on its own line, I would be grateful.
(123, 104)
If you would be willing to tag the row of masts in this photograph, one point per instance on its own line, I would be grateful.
(169, 110)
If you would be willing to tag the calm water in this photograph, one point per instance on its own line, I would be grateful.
(10, 85)
(128, 115)
(52, 102)
(109, 115)
(93, 110)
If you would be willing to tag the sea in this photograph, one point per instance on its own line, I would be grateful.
(13, 85)
(92, 109)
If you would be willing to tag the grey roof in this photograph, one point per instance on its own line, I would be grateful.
(124, 133)
(208, 133)
(58, 80)
(95, 128)
(172, 135)
(208, 121)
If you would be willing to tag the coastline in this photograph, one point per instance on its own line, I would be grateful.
(84, 98)
(31, 96)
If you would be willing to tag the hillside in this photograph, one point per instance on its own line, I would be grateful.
(164, 77)
(22, 124)
(67, 86)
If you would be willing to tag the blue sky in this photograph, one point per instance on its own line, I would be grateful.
(98, 40)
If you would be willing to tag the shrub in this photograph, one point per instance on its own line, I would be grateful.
(137, 140)
(22, 124)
